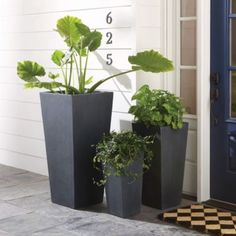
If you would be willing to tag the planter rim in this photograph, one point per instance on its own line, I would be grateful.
(77, 95)
(157, 126)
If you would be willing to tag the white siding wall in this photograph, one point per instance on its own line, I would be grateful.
(26, 33)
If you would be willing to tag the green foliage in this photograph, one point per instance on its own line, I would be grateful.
(53, 76)
(157, 107)
(116, 152)
(151, 61)
(57, 57)
(67, 28)
(81, 42)
(92, 41)
(28, 71)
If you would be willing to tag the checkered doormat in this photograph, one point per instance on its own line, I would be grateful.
(203, 218)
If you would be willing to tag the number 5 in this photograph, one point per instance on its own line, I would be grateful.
(109, 59)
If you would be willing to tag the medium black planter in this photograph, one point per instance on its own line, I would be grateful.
(72, 123)
(163, 182)
(124, 195)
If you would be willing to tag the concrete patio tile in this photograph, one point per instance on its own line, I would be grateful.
(32, 202)
(9, 171)
(100, 225)
(2, 233)
(8, 210)
(21, 179)
(55, 231)
(63, 213)
(14, 192)
(26, 225)
(166, 229)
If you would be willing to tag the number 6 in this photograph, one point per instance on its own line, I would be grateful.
(109, 18)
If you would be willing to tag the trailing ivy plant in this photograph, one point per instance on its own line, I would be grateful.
(81, 41)
(116, 152)
(157, 108)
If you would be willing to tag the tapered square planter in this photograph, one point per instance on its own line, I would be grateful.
(124, 194)
(163, 182)
(72, 123)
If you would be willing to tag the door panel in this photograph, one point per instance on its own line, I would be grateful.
(223, 100)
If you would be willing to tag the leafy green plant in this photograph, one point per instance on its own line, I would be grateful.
(81, 42)
(117, 151)
(157, 107)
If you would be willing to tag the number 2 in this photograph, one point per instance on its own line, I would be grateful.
(109, 36)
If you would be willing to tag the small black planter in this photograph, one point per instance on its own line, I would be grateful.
(72, 123)
(163, 182)
(124, 195)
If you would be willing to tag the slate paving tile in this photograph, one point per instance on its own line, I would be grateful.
(54, 231)
(21, 179)
(166, 230)
(8, 210)
(26, 225)
(2, 233)
(100, 225)
(14, 192)
(10, 171)
(26, 210)
(63, 213)
(33, 202)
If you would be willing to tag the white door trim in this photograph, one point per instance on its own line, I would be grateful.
(203, 94)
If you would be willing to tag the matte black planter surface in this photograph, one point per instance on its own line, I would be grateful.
(124, 195)
(72, 123)
(163, 182)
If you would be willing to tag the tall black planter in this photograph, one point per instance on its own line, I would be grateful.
(124, 195)
(163, 182)
(72, 123)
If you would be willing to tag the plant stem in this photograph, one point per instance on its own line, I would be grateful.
(65, 79)
(71, 69)
(92, 89)
(81, 87)
(86, 65)
(77, 68)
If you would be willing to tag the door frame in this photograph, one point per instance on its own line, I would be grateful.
(203, 98)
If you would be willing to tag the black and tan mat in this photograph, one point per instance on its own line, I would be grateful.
(202, 218)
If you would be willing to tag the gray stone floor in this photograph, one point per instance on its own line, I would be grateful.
(26, 209)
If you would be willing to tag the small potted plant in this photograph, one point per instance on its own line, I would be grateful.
(160, 113)
(123, 156)
(75, 114)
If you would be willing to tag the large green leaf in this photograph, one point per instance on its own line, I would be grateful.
(46, 85)
(92, 41)
(151, 61)
(67, 28)
(29, 70)
(57, 57)
(83, 29)
(51, 86)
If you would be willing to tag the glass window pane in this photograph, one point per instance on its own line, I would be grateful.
(233, 94)
(188, 43)
(188, 8)
(233, 42)
(188, 90)
(233, 6)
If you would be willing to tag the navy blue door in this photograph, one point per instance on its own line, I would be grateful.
(223, 100)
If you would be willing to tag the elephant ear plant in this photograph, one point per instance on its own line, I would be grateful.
(81, 41)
